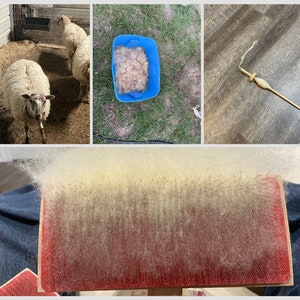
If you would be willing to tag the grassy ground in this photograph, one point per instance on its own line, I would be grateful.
(168, 117)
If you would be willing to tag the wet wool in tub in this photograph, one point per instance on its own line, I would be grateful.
(131, 69)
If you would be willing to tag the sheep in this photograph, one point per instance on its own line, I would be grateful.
(73, 35)
(81, 68)
(27, 92)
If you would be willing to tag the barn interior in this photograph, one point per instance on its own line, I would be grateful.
(33, 32)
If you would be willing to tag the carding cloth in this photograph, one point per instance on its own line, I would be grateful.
(124, 219)
(23, 284)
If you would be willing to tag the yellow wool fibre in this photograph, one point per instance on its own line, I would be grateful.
(170, 178)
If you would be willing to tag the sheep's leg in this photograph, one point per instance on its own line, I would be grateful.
(87, 93)
(26, 132)
(84, 93)
(81, 91)
(42, 132)
(71, 54)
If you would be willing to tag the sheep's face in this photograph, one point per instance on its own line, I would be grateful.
(64, 20)
(36, 104)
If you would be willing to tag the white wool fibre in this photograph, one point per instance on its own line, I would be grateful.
(108, 192)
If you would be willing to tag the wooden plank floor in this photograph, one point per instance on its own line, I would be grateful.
(235, 110)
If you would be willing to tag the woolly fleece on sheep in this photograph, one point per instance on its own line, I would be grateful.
(81, 61)
(25, 77)
(73, 35)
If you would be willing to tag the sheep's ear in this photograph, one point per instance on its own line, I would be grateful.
(26, 96)
(50, 97)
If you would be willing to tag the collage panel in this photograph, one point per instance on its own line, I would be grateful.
(188, 220)
(251, 74)
(115, 212)
(146, 76)
(44, 74)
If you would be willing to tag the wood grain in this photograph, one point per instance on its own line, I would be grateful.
(237, 111)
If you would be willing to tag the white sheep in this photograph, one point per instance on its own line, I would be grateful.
(73, 35)
(27, 92)
(81, 68)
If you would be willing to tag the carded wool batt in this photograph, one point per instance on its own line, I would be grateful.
(23, 284)
(136, 218)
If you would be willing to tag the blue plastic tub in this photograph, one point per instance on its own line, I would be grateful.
(151, 50)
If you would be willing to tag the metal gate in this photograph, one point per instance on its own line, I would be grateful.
(39, 22)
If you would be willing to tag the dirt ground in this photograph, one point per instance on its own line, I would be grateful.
(69, 119)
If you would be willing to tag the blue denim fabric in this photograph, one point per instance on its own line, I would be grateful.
(19, 231)
(292, 196)
(19, 226)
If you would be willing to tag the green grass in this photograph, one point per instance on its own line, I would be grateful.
(169, 116)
